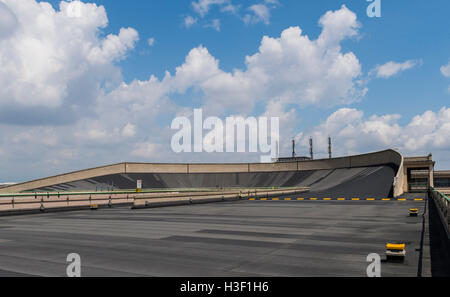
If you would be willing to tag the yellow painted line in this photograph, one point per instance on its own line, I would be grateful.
(355, 199)
(287, 199)
(312, 198)
(253, 199)
(275, 199)
(327, 199)
(402, 199)
(386, 199)
(418, 199)
(300, 198)
(341, 199)
(370, 199)
(263, 199)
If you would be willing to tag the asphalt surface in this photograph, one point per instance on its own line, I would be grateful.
(243, 238)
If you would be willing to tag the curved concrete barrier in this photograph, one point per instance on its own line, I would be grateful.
(315, 173)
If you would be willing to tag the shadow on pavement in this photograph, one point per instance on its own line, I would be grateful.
(439, 244)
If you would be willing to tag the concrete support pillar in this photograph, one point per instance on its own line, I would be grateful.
(431, 176)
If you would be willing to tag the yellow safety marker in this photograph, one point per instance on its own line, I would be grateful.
(300, 199)
(252, 199)
(395, 246)
(413, 212)
(327, 199)
(402, 199)
(395, 251)
(355, 199)
(263, 199)
(275, 199)
(312, 198)
(370, 199)
(287, 199)
(341, 199)
(418, 199)
(386, 199)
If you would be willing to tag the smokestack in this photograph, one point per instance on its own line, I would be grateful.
(311, 152)
(329, 147)
(293, 148)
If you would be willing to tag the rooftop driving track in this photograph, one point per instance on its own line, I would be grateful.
(243, 238)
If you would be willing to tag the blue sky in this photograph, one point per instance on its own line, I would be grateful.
(89, 99)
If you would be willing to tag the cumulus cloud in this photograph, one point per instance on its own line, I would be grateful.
(392, 68)
(353, 133)
(291, 67)
(57, 60)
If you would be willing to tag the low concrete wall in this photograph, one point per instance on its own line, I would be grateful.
(373, 159)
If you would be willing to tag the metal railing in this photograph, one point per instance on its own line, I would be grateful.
(219, 196)
(56, 200)
(442, 203)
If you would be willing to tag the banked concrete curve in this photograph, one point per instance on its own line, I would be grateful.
(206, 175)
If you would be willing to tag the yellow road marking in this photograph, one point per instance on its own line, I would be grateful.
(263, 199)
(326, 198)
(312, 198)
(252, 199)
(341, 199)
(386, 199)
(275, 199)
(370, 199)
(288, 199)
(355, 199)
(300, 198)
(418, 199)
(402, 199)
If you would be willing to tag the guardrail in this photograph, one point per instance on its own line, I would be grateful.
(45, 201)
(180, 199)
(442, 203)
(28, 202)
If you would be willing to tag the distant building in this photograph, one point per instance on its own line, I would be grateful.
(292, 159)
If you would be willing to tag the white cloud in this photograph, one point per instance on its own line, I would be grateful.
(129, 130)
(291, 67)
(145, 150)
(56, 58)
(189, 21)
(445, 70)
(215, 24)
(260, 13)
(151, 41)
(202, 7)
(352, 133)
(8, 21)
(392, 68)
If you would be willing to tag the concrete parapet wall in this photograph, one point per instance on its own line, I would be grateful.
(273, 167)
(155, 168)
(218, 168)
